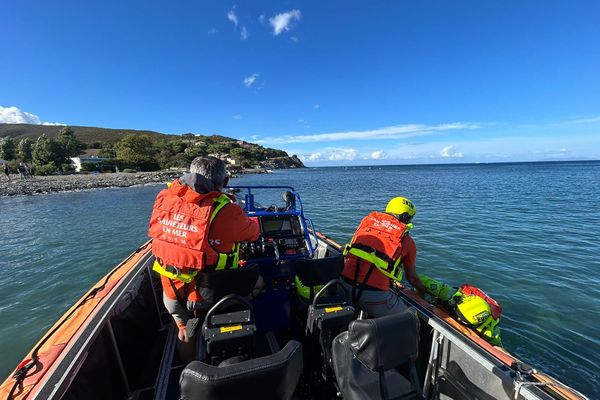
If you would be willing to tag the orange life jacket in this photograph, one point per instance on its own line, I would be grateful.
(179, 227)
(377, 241)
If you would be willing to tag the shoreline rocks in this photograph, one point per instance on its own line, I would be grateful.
(75, 182)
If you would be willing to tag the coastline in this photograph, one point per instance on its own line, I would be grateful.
(76, 182)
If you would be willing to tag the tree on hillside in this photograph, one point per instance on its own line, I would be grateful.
(137, 151)
(107, 151)
(171, 153)
(271, 153)
(198, 149)
(242, 153)
(25, 149)
(69, 143)
(220, 148)
(7, 148)
(43, 151)
(94, 145)
(61, 159)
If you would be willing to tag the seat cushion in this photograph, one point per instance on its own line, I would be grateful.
(271, 377)
(318, 271)
(356, 381)
(386, 342)
(214, 285)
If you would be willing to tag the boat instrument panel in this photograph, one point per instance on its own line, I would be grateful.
(285, 235)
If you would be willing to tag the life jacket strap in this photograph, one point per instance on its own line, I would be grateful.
(174, 273)
(221, 201)
(225, 260)
(229, 260)
(381, 261)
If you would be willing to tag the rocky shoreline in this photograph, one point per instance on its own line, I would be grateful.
(76, 182)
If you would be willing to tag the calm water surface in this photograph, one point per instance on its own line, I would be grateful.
(528, 234)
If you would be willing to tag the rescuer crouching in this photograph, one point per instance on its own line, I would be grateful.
(195, 227)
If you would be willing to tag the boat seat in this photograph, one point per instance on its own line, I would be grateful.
(271, 377)
(315, 272)
(319, 271)
(367, 355)
(215, 285)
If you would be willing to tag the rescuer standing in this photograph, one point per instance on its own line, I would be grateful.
(195, 227)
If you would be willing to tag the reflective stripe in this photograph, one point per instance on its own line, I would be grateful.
(385, 267)
(176, 276)
(229, 260)
(225, 260)
(222, 201)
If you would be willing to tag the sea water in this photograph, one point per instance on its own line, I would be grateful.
(528, 234)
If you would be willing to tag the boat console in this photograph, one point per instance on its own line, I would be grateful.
(285, 233)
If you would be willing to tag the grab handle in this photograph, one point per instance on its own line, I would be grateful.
(331, 283)
(230, 297)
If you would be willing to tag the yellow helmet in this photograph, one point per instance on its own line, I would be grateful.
(402, 207)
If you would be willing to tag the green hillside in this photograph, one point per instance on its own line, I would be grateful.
(49, 148)
(85, 134)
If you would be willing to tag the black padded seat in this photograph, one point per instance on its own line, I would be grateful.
(215, 285)
(315, 272)
(272, 377)
(366, 356)
(318, 271)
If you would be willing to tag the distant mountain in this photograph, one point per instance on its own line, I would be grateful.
(86, 134)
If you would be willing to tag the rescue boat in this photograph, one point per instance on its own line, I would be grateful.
(299, 338)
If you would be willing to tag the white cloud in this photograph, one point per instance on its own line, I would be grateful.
(244, 34)
(389, 132)
(378, 155)
(212, 31)
(237, 116)
(294, 39)
(332, 154)
(283, 22)
(316, 106)
(342, 154)
(589, 120)
(262, 18)
(250, 80)
(445, 152)
(13, 115)
(303, 122)
(232, 17)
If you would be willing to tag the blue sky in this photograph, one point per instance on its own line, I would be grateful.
(336, 82)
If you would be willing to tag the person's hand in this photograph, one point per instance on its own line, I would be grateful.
(182, 335)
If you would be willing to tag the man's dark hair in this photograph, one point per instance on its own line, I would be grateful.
(211, 168)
